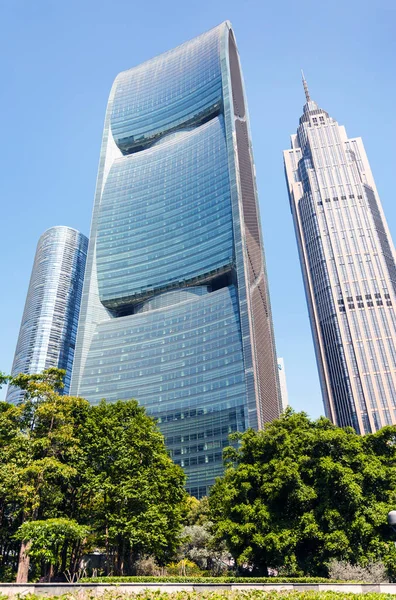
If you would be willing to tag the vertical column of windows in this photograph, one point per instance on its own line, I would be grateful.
(382, 352)
(332, 339)
(354, 276)
(354, 365)
(388, 336)
(392, 390)
(327, 242)
(382, 397)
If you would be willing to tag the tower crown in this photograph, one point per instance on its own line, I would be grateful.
(309, 104)
(310, 107)
(305, 85)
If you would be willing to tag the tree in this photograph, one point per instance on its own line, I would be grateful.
(53, 542)
(11, 452)
(198, 511)
(45, 450)
(202, 548)
(300, 493)
(137, 496)
(67, 468)
(3, 379)
(199, 545)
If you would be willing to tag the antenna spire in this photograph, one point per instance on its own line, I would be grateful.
(306, 90)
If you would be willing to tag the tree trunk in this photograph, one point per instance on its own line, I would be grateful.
(107, 548)
(64, 557)
(74, 558)
(23, 563)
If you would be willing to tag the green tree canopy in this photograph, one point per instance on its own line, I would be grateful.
(137, 496)
(39, 454)
(67, 468)
(51, 540)
(301, 492)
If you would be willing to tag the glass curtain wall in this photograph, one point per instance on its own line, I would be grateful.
(175, 309)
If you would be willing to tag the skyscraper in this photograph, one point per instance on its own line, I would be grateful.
(348, 263)
(175, 309)
(48, 330)
(282, 383)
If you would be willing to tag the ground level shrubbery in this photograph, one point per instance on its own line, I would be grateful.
(220, 595)
(159, 579)
(91, 490)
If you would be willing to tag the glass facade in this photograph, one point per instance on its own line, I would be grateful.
(175, 309)
(348, 263)
(48, 330)
(188, 177)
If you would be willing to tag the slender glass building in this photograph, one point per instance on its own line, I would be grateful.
(175, 309)
(283, 383)
(48, 332)
(348, 263)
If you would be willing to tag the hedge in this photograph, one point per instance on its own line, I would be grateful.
(221, 595)
(204, 580)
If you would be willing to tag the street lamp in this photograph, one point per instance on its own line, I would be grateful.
(392, 519)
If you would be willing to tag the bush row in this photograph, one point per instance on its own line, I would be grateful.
(221, 595)
(180, 579)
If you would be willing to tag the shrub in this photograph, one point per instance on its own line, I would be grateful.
(194, 579)
(147, 565)
(184, 568)
(374, 572)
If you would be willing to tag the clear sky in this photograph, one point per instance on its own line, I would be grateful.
(58, 61)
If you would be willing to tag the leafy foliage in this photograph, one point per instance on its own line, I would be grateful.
(49, 538)
(198, 511)
(206, 579)
(39, 453)
(300, 493)
(184, 568)
(136, 493)
(371, 573)
(251, 594)
(75, 477)
(147, 565)
(204, 550)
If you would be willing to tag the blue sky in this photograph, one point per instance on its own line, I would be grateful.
(58, 61)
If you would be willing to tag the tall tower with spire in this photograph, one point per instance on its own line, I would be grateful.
(348, 263)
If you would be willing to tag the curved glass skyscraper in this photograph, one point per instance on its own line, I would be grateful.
(175, 309)
(48, 330)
